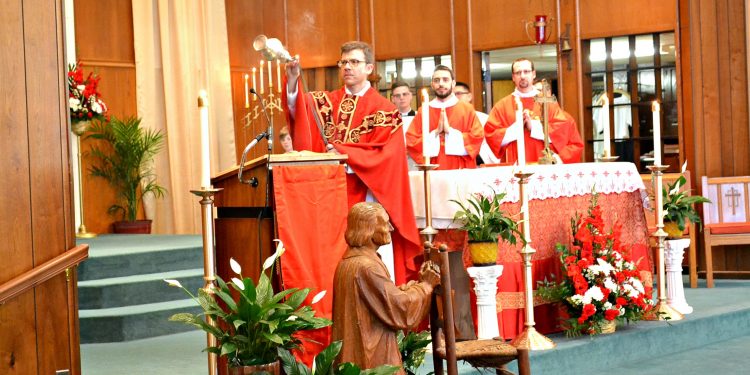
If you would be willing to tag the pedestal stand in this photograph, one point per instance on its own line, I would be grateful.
(78, 128)
(662, 311)
(428, 232)
(209, 260)
(529, 338)
(674, 251)
(485, 287)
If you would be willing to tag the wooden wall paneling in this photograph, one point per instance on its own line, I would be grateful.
(710, 78)
(603, 18)
(412, 28)
(740, 127)
(366, 22)
(685, 90)
(17, 348)
(104, 30)
(317, 30)
(462, 55)
(568, 79)
(501, 23)
(723, 67)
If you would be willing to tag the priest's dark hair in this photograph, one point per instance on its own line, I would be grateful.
(464, 85)
(513, 64)
(445, 68)
(398, 84)
(355, 45)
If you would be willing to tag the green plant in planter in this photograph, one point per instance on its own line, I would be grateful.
(413, 346)
(251, 329)
(679, 207)
(323, 364)
(124, 161)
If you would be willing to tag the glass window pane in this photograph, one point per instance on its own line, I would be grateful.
(667, 48)
(646, 85)
(669, 84)
(598, 55)
(644, 50)
(620, 53)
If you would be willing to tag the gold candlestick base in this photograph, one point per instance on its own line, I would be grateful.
(83, 233)
(606, 159)
(428, 232)
(531, 339)
(662, 311)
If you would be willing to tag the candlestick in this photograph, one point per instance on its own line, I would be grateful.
(205, 165)
(255, 87)
(425, 125)
(270, 76)
(657, 132)
(605, 124)
(521, 142)
(278, 75)
(247, 92)
(261, 76)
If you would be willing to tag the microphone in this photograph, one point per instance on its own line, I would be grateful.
(253, 181)
(268, 118)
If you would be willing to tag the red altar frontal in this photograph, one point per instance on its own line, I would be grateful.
(556, 193)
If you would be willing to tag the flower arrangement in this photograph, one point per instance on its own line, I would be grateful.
(251, 329)
(679, 207)
(84, 98)
(600, 284)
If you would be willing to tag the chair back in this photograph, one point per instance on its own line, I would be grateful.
(729, 203)
(442, 325)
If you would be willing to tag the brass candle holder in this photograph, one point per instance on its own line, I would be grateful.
(209, 260)
(662, 311)
(428, 232)
(78, 128)
(605, 157)
(530, 338)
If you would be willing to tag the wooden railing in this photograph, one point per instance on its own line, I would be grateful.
(46, 271)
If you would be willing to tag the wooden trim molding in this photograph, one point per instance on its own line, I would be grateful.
(46, 271)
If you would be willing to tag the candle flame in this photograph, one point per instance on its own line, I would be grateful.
(202, 98)
(247, 76)
(425, 95)
(655, 106)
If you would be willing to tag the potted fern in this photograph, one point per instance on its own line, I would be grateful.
(485, 223)
(679, 207)
(123, 157)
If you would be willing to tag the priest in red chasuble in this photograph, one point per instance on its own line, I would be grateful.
(355, 120)
(455, 133)
(502, 129)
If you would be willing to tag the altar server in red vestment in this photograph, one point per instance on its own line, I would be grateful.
(455, 133)
(355, 120)
(502, 129)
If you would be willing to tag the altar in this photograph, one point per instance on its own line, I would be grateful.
(556, 193)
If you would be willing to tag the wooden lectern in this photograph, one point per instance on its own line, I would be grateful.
(245, 222)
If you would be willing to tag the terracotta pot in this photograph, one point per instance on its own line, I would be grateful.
(673, 231)
(483, 253)
(269, 368)
(132, 227)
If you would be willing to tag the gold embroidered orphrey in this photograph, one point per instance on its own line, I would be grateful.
(342, 132)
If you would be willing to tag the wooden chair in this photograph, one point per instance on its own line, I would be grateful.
(726, 219)
(479, 353)
(690, 230)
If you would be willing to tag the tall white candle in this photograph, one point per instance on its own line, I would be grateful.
(261, 76)
(278, 75)
(270, 76)
(247, 92)
(205, 163)
(657, 132)
(255, 87)
(425, 124)
(521, 142)
(605, 124)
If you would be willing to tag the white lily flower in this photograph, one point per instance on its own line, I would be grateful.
(318, 297)
(684, 166)
(280, 249)
(235, 266)
(172, 282)
(291, 318)
(238, 283)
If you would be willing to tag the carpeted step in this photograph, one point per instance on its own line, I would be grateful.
(137, 289)
(134, 322)
(118, 255)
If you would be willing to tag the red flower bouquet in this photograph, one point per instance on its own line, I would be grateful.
(84, 98)
(599, 284)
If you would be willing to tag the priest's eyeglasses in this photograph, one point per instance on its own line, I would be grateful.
(521, 72)
(352, 62)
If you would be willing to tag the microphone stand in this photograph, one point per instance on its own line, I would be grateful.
(269, 119)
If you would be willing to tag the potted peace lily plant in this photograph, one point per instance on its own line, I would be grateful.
(679, 207)
(485, 222)
(252, 328)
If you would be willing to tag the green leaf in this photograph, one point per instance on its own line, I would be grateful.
(324, 359)
(290, 364)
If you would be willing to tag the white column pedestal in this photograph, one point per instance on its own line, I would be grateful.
(674, 250)
(485, 287)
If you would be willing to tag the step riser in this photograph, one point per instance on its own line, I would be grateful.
(132, 327)
(118, 295)
(140, 263)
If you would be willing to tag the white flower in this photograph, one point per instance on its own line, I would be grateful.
(593, 293)
(610, 284)
(172, 282)
(238, 283)
(270, 260)
(80, 88)
(607, 306)
(602, 267)
(74, 103)
(291, 318)
(235, 266)
(684, 166)
(637, 284)
(577, 299)
(318, 297)
(96, 107)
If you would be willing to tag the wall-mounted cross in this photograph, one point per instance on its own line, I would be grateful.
(733, 197)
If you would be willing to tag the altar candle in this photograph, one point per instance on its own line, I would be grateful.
(605, 124)
(657, 132)
(521, 142)
(247, 92)
(254, 85)
(270, 76)
(261, 76)
(205, 164)
(278, 75)
(425, 124)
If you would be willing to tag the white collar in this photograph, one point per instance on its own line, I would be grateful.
(534, 92)
(449, 102)
(361, 92)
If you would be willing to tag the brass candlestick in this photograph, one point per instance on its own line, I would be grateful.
(530, 338)
(605, 157)
(428, 232)
(78, 128)
(662, 311)
(209, 260)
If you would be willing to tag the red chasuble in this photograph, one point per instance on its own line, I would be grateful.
(368, 129)
(565, 140)
(461, 117)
